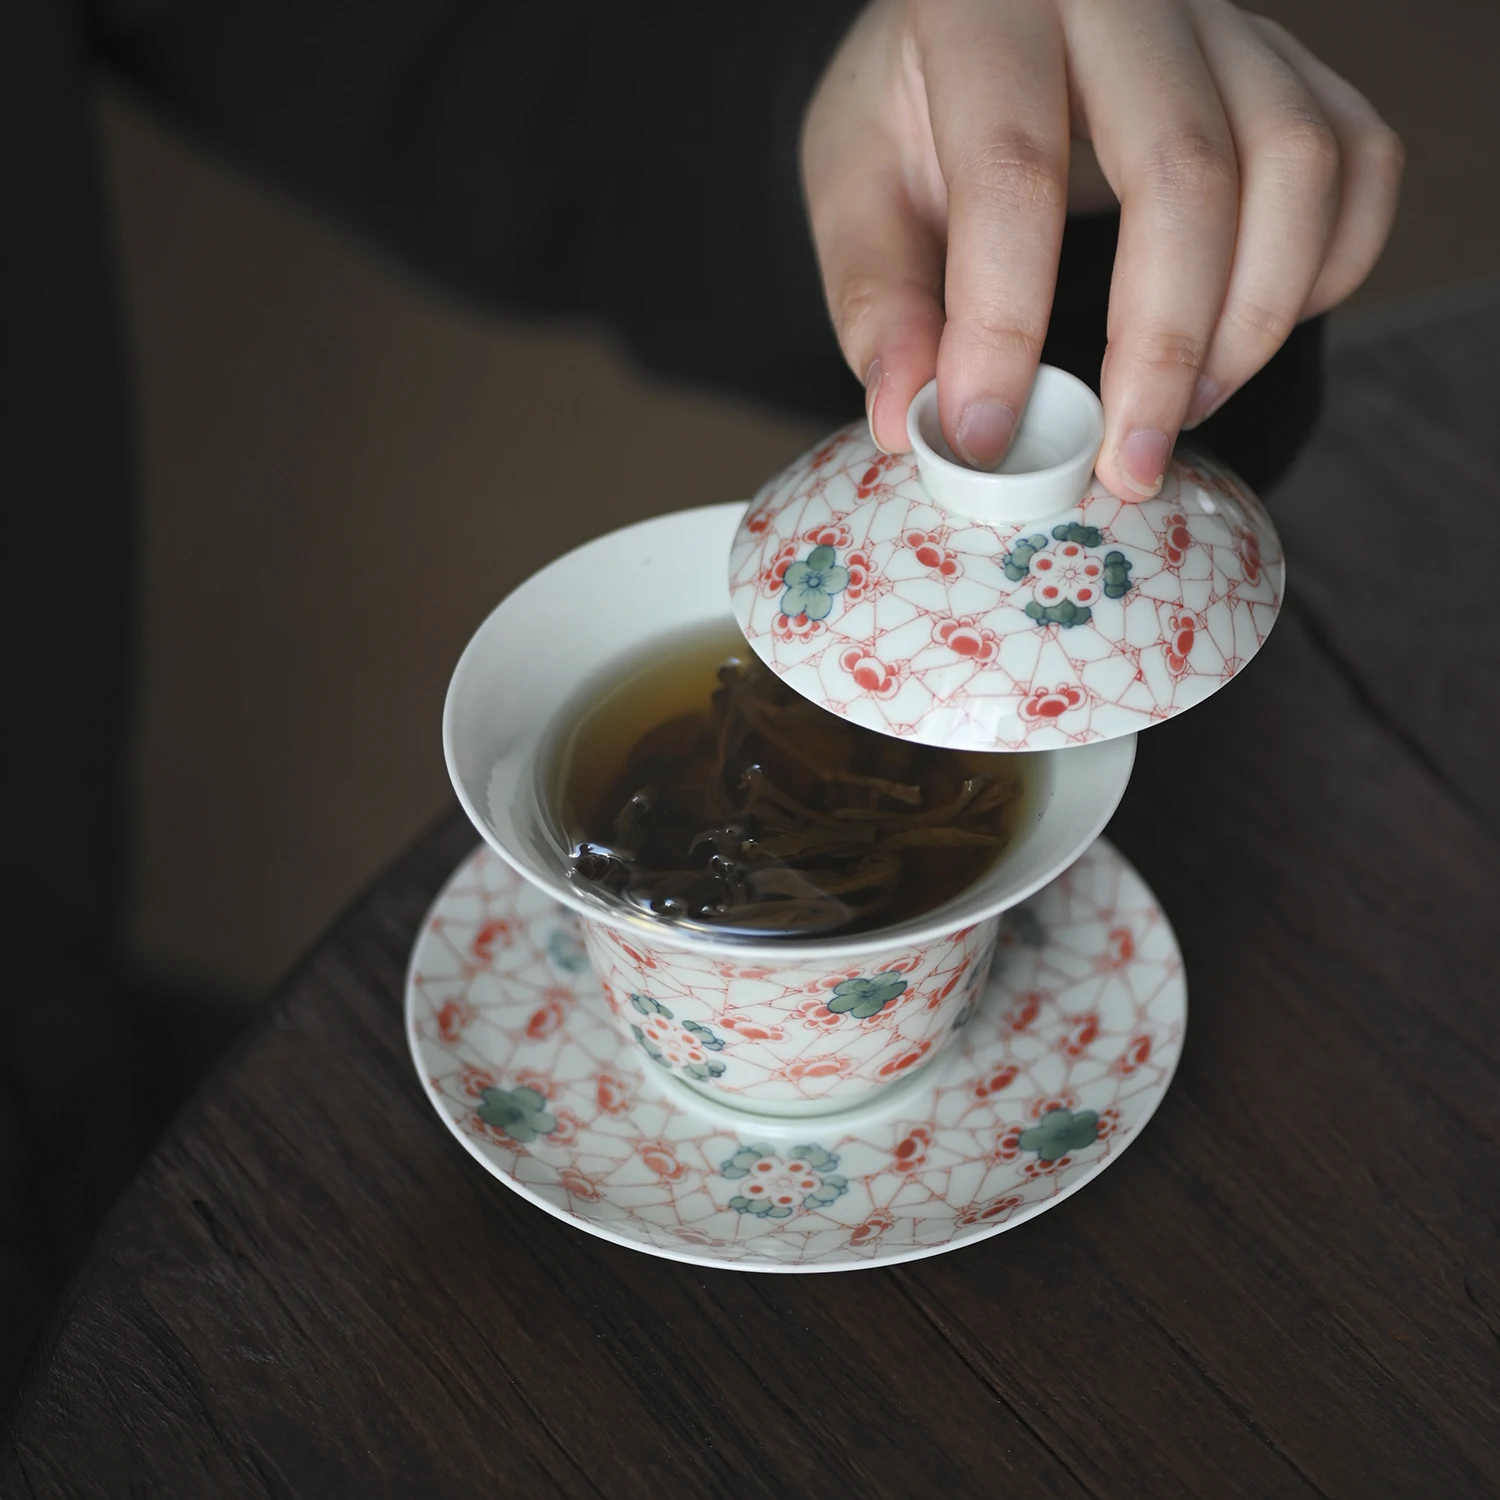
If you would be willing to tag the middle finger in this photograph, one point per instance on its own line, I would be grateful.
(1162, 140)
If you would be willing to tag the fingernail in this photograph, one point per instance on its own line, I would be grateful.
(1208, 397)
(872, 394)
(1141, 458)
(984, 432)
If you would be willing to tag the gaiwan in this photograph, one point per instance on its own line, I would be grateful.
(1024, 624)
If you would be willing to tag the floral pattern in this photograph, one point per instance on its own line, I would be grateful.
(591, 1129)
(967, 638)
(566, 950)
(811, 585)
(1059, 1132)
(672, 1043)
(519, 1113)
(776, 1186)
(866, 996)
(765, 1035)
(973, 620)
(1067, 579)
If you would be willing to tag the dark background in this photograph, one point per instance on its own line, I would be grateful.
(343, 474)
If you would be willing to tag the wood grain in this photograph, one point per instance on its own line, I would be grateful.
(1288, 1288)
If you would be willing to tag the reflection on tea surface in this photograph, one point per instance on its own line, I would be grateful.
(698, 788)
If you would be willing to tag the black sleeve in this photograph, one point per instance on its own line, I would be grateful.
(630, 165)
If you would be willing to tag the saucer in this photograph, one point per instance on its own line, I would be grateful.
(1064, 1059)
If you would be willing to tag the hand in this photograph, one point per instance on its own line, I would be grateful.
(1256, 188)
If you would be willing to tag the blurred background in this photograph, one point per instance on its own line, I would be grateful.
(342, 475)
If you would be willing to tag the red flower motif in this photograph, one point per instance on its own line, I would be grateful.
(752, 1031)
(1247, 549)
(578, 1185)
(496, 933)
(1184, 628)
(816, 1016)
(772, 575)
(1024, 1011)
(817, 1067)
(873, 479)
(1065, 1100)
(938, 996)
(611, 1093)
(661, 1158)
(476, 1080)
(1080, 1036)
(640, 960)
(789, 628)
(1119, 949)
(908, 1059)
(759, 519)
(931, 553)
(1007, 1144)
(836, 535)
(548, 1016)
(1066, 572)
(452, 1017)
(529, 1078)
(987, 1213)
(1136, 1054)
(1052, 703)
(862, 579)
(911, 1153)
(870, 674)
(567, 1127)
(967, 638)
(872, 1228)
(997, 1082)
(1176, 539)
(727, 970)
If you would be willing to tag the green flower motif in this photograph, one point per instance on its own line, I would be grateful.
(706, 1038)
(866, 996)
(1116, 575)
(811, 584)
(519, 1113)
(1018, 560)
(1060, 1132)
(649, 1007)
(779, 1185)
(1071, 531)
(1066, 614)
(685, 1047)
(566, 951)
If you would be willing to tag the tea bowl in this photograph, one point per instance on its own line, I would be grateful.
(778, 1027)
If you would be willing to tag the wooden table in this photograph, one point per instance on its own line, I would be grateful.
(1288, 1287)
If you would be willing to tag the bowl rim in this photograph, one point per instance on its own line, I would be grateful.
(1116, 754)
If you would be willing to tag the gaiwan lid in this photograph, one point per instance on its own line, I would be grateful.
(1025, 609)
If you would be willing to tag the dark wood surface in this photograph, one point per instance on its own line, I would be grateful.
(1288, 1287)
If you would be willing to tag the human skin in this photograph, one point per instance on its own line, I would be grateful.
(949, 139)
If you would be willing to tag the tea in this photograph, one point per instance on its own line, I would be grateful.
(703, 791)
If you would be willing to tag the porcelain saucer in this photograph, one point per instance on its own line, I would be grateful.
(1061, 1063)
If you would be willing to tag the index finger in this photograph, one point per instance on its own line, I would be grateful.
(998, 105)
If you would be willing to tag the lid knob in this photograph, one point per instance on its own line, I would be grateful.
(1046, 470)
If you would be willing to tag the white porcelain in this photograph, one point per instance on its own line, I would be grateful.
(1057, 1069)
(941, 604)
(1046, 470)
(659, 584)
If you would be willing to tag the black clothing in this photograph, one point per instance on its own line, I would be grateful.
(565, 159)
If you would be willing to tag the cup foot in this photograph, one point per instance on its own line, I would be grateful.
(793, 1119)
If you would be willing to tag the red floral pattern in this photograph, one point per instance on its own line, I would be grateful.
(967, 638)
(1097, 997)
(1053, 703)
(1080, 605)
